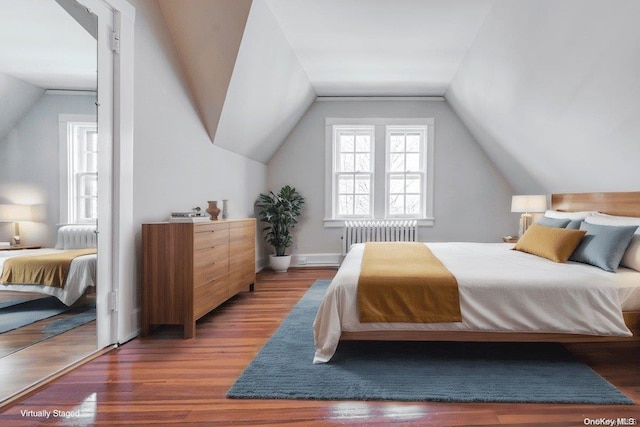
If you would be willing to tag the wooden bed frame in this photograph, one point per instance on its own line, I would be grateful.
(619, 203)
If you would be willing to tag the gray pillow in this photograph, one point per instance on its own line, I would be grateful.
(553, 222)
(574, 224)
(603, 246)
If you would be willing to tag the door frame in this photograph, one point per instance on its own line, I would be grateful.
(116, 246)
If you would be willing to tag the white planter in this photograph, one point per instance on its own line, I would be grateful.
(279, 264)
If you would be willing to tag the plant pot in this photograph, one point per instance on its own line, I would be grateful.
(279, 264)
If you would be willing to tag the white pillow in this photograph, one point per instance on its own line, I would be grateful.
(568, 215)
(614, 219)
(631, 258)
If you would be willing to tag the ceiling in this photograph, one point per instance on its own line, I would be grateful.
(41, 44)
(548, 88)
(380, 47)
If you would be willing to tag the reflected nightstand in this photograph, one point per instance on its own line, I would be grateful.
(18, 247)
(510, 239)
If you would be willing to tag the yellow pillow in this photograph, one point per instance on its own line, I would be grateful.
(556, 244)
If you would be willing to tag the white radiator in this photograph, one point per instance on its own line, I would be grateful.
(77, 237)
(378, 231)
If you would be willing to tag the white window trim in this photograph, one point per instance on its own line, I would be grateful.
(66, 203)
(428, 220)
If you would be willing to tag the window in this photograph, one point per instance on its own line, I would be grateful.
(78, 170)
(396, 183)
(353, 172)
(405, 170)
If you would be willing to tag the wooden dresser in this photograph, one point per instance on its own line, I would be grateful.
(190, 269)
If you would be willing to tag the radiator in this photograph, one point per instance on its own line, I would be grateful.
(76, 237)
(378, 231)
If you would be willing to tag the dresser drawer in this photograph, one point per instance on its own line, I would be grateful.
(209, 295)
(210, 271)
(209, 255)
(210, 238)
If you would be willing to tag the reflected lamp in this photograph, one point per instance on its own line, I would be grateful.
(15, 214)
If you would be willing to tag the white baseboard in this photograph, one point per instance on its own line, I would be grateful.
(307, 260)
(316, 260)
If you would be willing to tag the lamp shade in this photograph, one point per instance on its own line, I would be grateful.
(528, 203)
(15, 213)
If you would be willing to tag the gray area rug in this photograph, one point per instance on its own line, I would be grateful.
(24, 313)
(416, 371)
(17, 300)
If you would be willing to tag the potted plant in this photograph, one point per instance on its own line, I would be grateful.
(280, 211)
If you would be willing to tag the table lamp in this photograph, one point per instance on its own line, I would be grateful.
(15, 214)
(527, 204)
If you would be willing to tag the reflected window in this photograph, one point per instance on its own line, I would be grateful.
(79, 171)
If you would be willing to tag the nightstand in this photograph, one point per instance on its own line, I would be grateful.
(510, 239)
(18, 247)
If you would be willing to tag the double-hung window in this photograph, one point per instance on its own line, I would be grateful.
(78, 170)
(353, 171)
(405, 172)
(379, 169)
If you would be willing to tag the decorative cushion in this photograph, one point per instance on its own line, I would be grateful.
(568, 215)
(631, 258)
(556, 244)
(553, 222)
(604, 245)
(574, 224)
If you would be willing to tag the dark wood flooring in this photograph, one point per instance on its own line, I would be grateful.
(165, 380)
(28, 355)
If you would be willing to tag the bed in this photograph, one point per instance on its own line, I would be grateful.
(81, 276)
(505, 295)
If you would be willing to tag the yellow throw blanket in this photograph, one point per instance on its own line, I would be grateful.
(405, 282)
(48, 270)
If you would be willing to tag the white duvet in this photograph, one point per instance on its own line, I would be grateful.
(501, 290)
(82, 273)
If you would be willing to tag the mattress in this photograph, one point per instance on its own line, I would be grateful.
(501, 290)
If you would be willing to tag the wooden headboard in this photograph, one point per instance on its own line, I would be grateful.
(620, 203)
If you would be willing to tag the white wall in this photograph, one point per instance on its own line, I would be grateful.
(472, 199)
(550, 90)
(30, 171)
(176, 167)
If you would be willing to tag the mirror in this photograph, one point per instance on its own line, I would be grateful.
(48, 147)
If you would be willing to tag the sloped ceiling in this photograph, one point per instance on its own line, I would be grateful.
(17, 99)
(41, 44)
(549, 88)
(268, 93)
(41, 47)
(207, 35)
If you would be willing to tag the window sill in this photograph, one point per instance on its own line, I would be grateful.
(339, 223)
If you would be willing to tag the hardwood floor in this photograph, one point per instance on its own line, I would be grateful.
(165, 380)
(28, 354)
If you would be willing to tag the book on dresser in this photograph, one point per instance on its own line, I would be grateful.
(189, 269)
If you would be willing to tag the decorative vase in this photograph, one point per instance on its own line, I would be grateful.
(225, 208)
(213, 209)
(279, 264)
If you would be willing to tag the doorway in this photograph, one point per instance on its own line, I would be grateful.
(108, 206)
